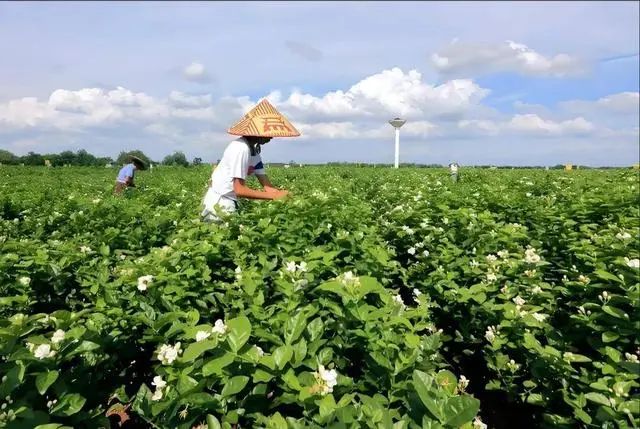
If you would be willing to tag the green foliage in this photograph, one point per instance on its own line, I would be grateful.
(359, 302)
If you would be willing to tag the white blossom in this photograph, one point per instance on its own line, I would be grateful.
(491, 259)
(144, 282)
(291, 266)
(426, 253)
(631, 357)
(519, 301)
(398, 299)
(604, 297)
(539, 316)
(623, 235)
(96, 201)
(632, 263)
(503, 254)
(491, 333)
(259, 351)
(491, 277)
(25, 281)
(513, 366)
(477, 424)
(167, 354)
(302, 267)
(463, 382)
(530, 256)
(473, 263)
(530, 273)
(43, 351)
(159, 382)
(536, 289)
(411, 251)
(326, 379)
(416, 292)
(202, 335)
(219, 327)
(58, 336)
(238, 272)
(85, 249)
(583, 279)
(349, 279)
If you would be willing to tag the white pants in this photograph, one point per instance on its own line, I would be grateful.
(214, 202)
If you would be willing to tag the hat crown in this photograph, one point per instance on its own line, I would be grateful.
(264, 121)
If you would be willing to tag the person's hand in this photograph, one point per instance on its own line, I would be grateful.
(277, 194)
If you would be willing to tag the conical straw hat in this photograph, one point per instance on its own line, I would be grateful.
(264, 121)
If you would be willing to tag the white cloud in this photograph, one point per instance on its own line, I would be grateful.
(388, 94)
(531, 123)
(469, 59)
(528, 124)
(196, 72)
(96, 118)
(620, 103)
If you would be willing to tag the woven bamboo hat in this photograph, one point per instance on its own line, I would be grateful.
(264, 121)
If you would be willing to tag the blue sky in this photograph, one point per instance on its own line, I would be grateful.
(479, 82)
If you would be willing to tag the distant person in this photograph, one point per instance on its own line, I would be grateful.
(453, 169)
(242, 158)
(127, 174)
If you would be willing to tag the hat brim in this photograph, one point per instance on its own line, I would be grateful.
(143, 165)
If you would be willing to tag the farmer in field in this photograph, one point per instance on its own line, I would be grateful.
(242, 158)
(127, 173)
(453, 169)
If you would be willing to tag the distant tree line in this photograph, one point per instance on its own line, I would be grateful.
(84, 158)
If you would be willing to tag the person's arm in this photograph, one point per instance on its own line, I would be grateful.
(244, 191)
(266, 183)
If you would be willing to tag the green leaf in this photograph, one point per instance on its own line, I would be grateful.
(194, 350)
(44, 380)
(282, 355)
(276, 421)
(605, 275)
(316, 329)
(582, 416)
(14, 379)
(68, 405)
(212, 422)
(239, 332)
(234, 385)
(327, 405)
(460, 410)
(199, 398)
(423, 383)
(598, 398)
(615, 312)
(291, 380)
(608, 337)
(447, 381)
(261, 376)
(294, 327)
(215, 366)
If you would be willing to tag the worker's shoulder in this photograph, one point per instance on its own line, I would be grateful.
(237, 145)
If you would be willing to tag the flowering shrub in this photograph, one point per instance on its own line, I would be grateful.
(373, 298)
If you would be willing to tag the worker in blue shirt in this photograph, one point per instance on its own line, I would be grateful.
(127, 173)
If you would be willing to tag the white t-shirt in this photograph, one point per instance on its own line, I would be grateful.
(454, 168)
(236, 163)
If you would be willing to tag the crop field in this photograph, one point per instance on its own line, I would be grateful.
(372, 298)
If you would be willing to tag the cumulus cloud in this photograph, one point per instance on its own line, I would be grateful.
(304, 50)
(388, 94)
(196, 72)
(528, 124)
(469, 59)
(621, 103)
(96, 118)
